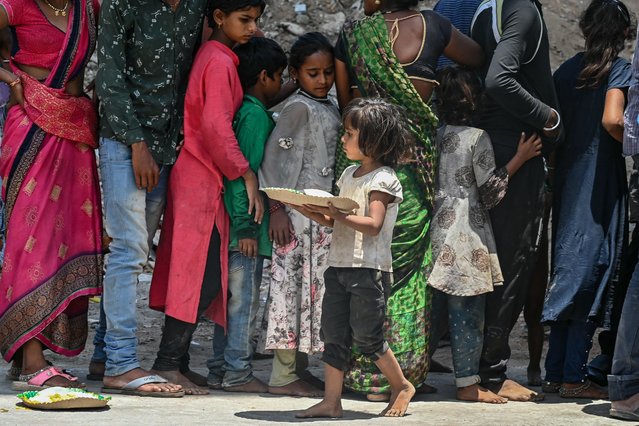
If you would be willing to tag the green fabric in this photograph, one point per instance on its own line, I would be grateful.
(252, 125)
(379, 73)
(145, 56)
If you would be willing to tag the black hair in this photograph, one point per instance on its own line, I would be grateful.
(459, 95)
(606, 25)
(228, 6)
(307, 45)
(384, 134)
(260, 53)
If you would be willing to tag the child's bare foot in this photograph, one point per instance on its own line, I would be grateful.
(534, 376)
(399, 401)
(322, 409)
(254, 386)
(513, 391)
(178, 378)
(297, 388)
(477, 393)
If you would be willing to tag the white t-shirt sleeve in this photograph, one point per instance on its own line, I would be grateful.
(386, 181)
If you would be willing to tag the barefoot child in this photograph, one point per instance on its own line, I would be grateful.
(465, 265)
(359, 277)
(262, 62)
(300, 154)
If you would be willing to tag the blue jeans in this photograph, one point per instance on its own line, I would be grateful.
(465, 318)
(131, 219)
(568, 347)
(624, 380)
(233, 351)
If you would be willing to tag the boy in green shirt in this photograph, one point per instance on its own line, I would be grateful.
(262, 62)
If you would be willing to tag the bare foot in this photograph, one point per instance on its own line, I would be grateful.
(254, 386)
(195, 378)
(627, 409)
(297, 388)
(118, 382)
(322, 409)
(513, 391)
(178, 378)
(399, 402)
(477, 393)
(534, 376)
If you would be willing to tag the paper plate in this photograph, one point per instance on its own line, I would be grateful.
(313, 197)
(59, 398)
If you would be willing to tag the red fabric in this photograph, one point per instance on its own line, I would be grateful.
(56, 112)
(195, 202)
(53, 252)
(38, 41)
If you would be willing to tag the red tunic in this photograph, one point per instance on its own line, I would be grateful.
(195, 201)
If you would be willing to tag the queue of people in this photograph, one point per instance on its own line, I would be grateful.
(448, 129)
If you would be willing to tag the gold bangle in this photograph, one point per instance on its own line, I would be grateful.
(14, 82)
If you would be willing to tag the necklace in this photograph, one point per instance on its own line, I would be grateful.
(58, 11)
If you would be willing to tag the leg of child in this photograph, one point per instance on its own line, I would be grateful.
(466, 320)
(284, 381)
(336, 334)
(369, 293)
(402, 391)
(331, 405)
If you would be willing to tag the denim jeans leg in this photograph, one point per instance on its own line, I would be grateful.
(556, 355)
(99, 354)
(624, 380)
(125, 208)
(215, 364)
(466, 319)
(578, 345)
(245, 275)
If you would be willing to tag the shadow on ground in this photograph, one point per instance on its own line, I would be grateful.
(289, 416)
(599, 410)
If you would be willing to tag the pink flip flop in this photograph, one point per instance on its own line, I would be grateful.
(37, 380)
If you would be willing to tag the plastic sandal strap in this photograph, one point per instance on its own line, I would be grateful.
(134, 384)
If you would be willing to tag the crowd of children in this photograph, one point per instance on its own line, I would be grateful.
(331, 275)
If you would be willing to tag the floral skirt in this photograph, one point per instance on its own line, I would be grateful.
(295, 282)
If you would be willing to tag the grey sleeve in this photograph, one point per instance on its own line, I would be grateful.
(521, 28)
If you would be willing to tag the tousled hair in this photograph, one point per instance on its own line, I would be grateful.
(307, 45)
(606, 25)
(228, 6)
(260, 53)
(459, 95)
(384, 134)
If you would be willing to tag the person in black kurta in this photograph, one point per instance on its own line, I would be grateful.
(520, 98)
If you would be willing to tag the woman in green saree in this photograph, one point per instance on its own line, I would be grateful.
(392, 53)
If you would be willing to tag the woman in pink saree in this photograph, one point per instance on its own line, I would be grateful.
(53, 258)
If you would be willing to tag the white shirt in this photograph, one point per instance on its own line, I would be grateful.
(353, 249)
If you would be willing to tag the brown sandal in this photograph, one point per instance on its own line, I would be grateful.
(579, 391)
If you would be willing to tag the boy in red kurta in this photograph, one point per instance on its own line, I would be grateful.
(191, 271)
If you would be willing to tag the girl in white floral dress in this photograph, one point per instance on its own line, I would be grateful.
(300, 154)
(465, 264)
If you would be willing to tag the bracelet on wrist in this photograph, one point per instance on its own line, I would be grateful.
(550, 129)
(275, 206)
(15, 82)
